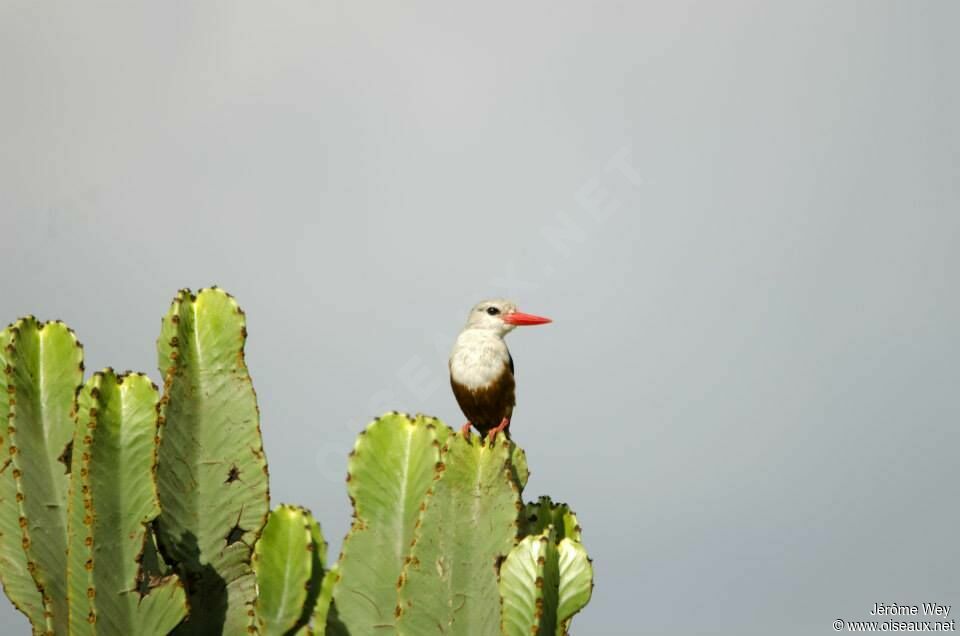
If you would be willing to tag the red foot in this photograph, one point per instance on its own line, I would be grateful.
(465, 430)
(492, 433)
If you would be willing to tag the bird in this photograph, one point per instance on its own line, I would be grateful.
(481, 367)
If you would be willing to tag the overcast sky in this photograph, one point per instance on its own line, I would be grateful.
(742, 216)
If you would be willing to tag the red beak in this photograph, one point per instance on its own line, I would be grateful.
(520, 319)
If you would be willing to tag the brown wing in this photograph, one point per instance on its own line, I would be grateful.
(486, 407)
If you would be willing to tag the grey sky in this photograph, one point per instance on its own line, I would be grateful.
(742, 216)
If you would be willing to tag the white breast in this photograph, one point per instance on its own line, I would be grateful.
(478, 358)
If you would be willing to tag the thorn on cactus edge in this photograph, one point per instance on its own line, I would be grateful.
(66, 457)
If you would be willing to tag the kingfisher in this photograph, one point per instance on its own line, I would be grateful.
(481, 368)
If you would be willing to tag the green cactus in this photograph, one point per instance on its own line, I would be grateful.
(325, 621)
(530, 576)
(443, 518)
(17, 581)
(288, 561)
(212, 475)
(543, 582)
(576, 580)
(112, 502)
(468, 525)
(318, 573)
(541, 514)
(518, 467)
(392, 466)
(119, 510)
(529, 586)
(44, 367)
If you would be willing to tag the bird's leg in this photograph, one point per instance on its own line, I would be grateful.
(465, 430)
(492, 435)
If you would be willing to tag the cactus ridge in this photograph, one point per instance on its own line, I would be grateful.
(323, 619)
(538, 515)
(529, 587)
(468, 524)
(519, 470)
(543, 583)
(576, 580)
(288, 561)
(390, 469)
(318, 573)
(18, 583)
(44, 367)
(212, 474)
(111, 508)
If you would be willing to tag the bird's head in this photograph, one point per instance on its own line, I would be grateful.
(500, 316)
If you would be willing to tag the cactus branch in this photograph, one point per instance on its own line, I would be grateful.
(44, 368)
(390, 469)
(468, 525)
(113, 501)
(212, 475)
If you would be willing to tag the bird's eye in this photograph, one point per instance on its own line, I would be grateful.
(493, 311)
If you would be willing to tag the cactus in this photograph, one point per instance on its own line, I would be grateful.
(530, 579)
(469, 524)
(541, 514)
(518, 467)
(113, 500)
(124, 512)
(440, 513)
(529, 585)
(212, 475)
(17, 580)
(295, 593)
(288, 561)
(546, 578)
(44, 367)
(434, 514)
(576, 580)
(325, 621)
(391, 467)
